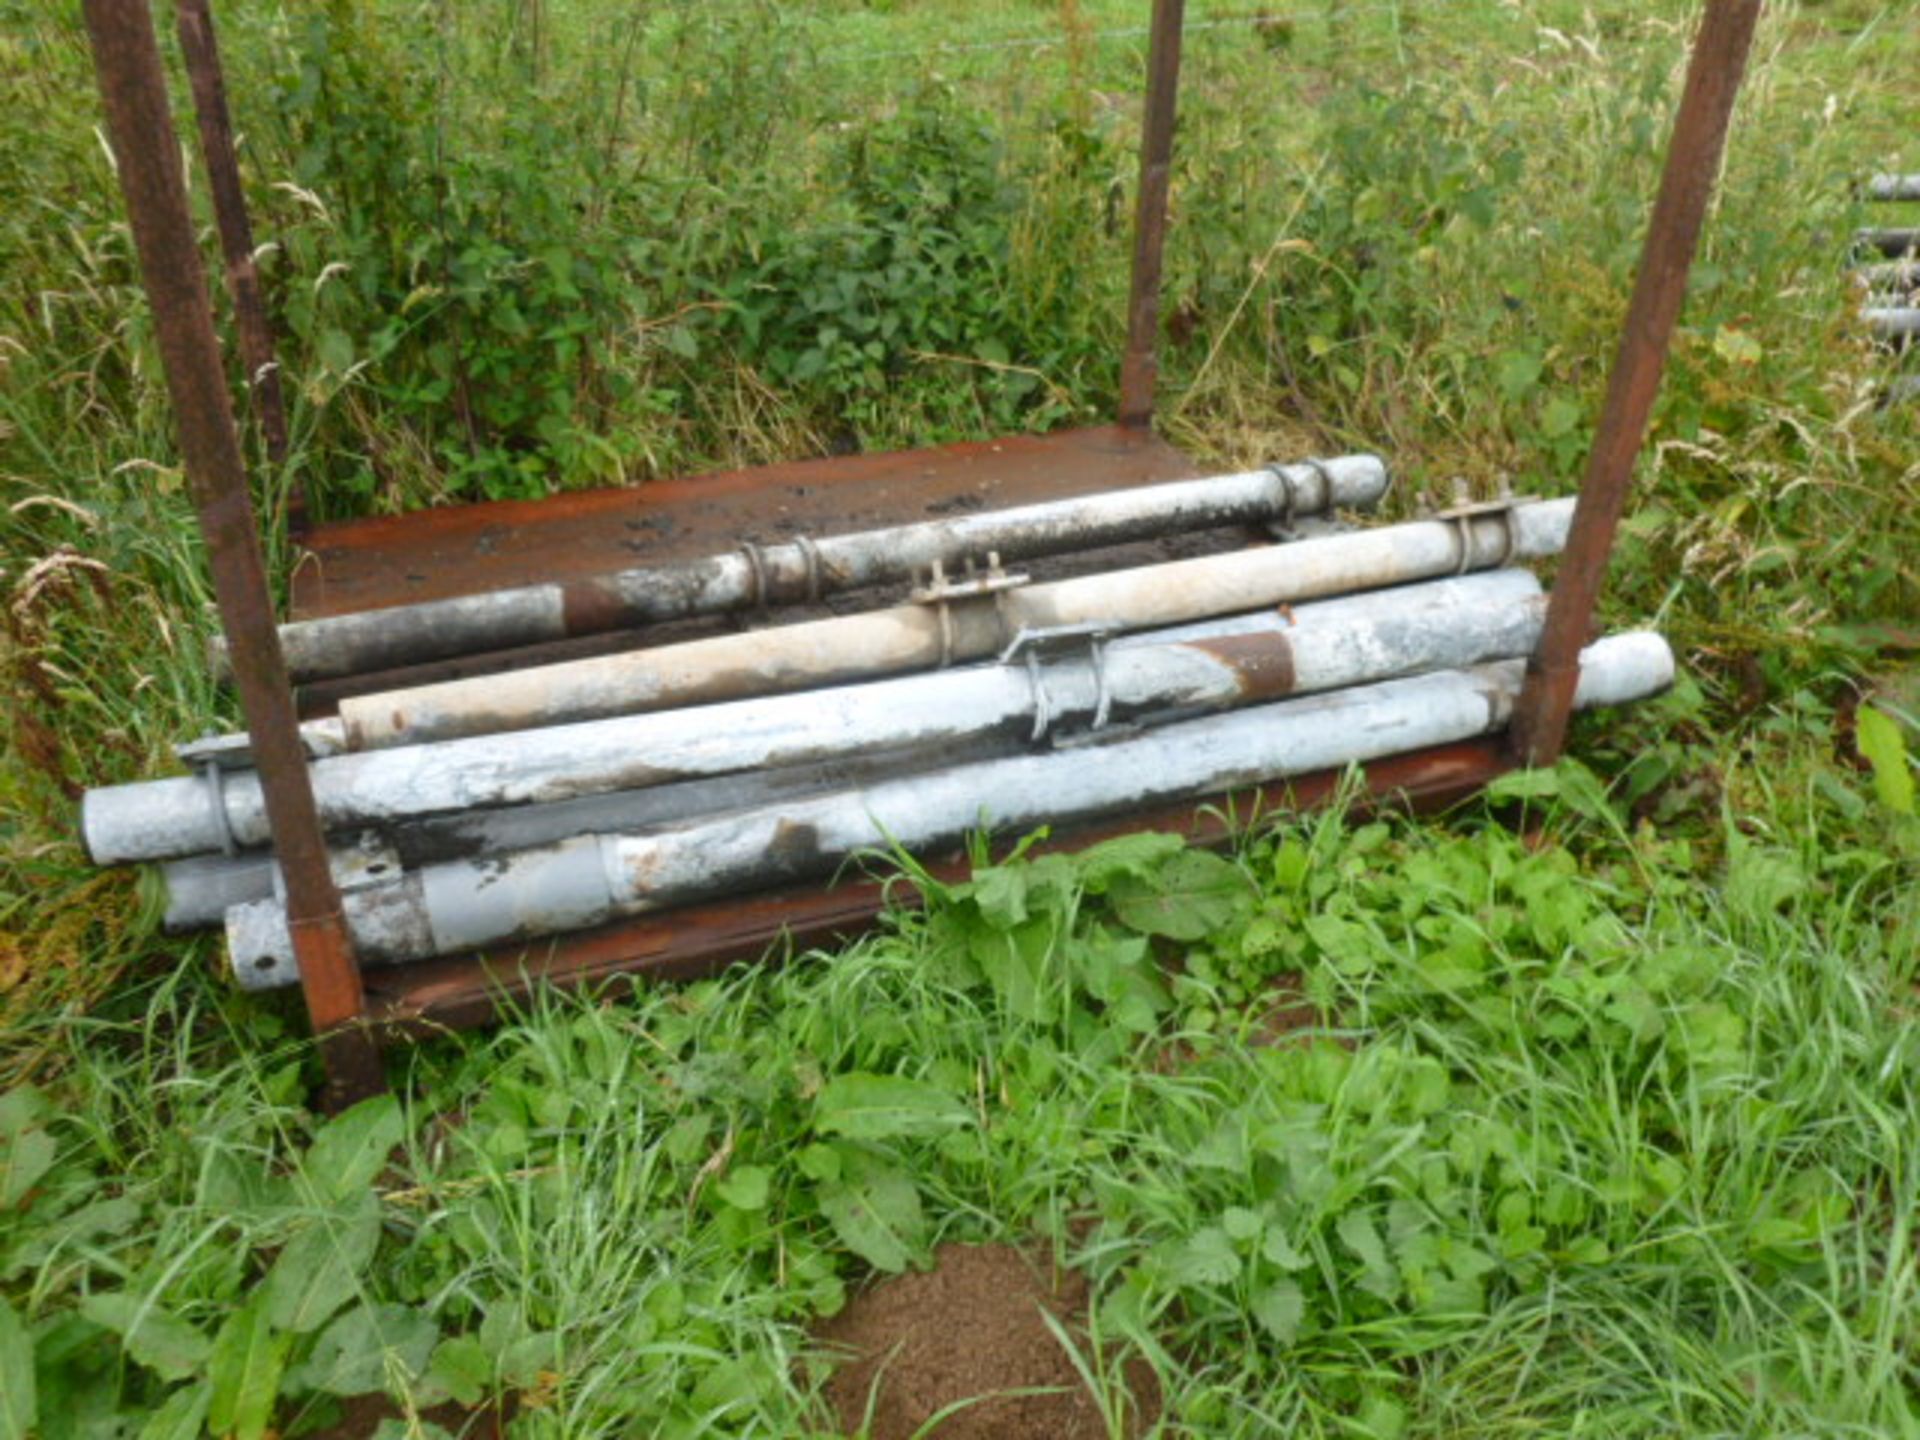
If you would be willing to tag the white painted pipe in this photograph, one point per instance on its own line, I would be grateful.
(794, 571)
(590, 879)
(917, 637)
(1213, 665)
(200, 889)
(1894, 187)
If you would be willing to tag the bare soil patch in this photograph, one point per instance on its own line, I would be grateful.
(971, 1327)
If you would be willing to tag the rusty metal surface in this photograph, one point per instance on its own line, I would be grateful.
(1686, 188)
(133, 87)
(1140, 365)
(699, 940)
(200, 47)
(464, 550)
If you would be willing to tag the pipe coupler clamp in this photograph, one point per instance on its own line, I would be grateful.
(810, 553)
(974, 584)
(214, 780)
(1036, 648)
(1462, 514)
(757, 563)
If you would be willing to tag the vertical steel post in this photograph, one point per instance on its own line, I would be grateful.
(200, 47)
(147, 158)
(1140, 367)
(1714, 72)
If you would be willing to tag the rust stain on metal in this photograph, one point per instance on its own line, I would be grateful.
(1262, 664)
(591, 606)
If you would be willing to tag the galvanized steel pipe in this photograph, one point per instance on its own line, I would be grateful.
(1892, 322)
(1059, 682)
(1893, 187)
(590, 879)
(921, 636)
(802, 569)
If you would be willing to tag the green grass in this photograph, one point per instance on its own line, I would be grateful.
(1606, 1130)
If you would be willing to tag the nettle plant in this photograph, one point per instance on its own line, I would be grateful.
(905, 282)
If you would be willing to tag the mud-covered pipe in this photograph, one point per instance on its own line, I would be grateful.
(587, 880)
(1214, 665)
(798, 570)
(849, 648)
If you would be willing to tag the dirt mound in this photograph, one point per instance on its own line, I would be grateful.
(972, 1326)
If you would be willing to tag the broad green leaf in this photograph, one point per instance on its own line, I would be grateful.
(1279, 1308)
(1206, 1257)
(1138, 854)
(862, 1106)
(746, 1188)
(183, 1417)
(164, 1343)
(463, 1368)
(353, 1147)
(24, 1158)
(1241, 1224)
(19, 1411)
(320, 1269)
(1357, 1233)
(1017, 963)
(876, 1213)
(1279, 1250)
(1191, 896)
(391, 1429)
(244, 1372)
(355, 1354)
(1559, 417)
(1885, 748)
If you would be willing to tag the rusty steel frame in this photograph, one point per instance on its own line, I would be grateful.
(133, 88)
(353, 1017)
(1719, 60)
(201, 51)
(1140, 366)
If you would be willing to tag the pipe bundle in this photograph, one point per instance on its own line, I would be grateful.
(1888, 270)
(529, 804)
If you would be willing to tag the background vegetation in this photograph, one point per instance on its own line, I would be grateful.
(1604, 1132)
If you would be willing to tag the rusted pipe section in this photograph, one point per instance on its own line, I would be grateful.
(1893, 187)
(590, 879)
(973, 620)
(1140, 366)
(1686, 187)
(802, 570)
(1048, 684)
(200, 48)
(147, 159)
